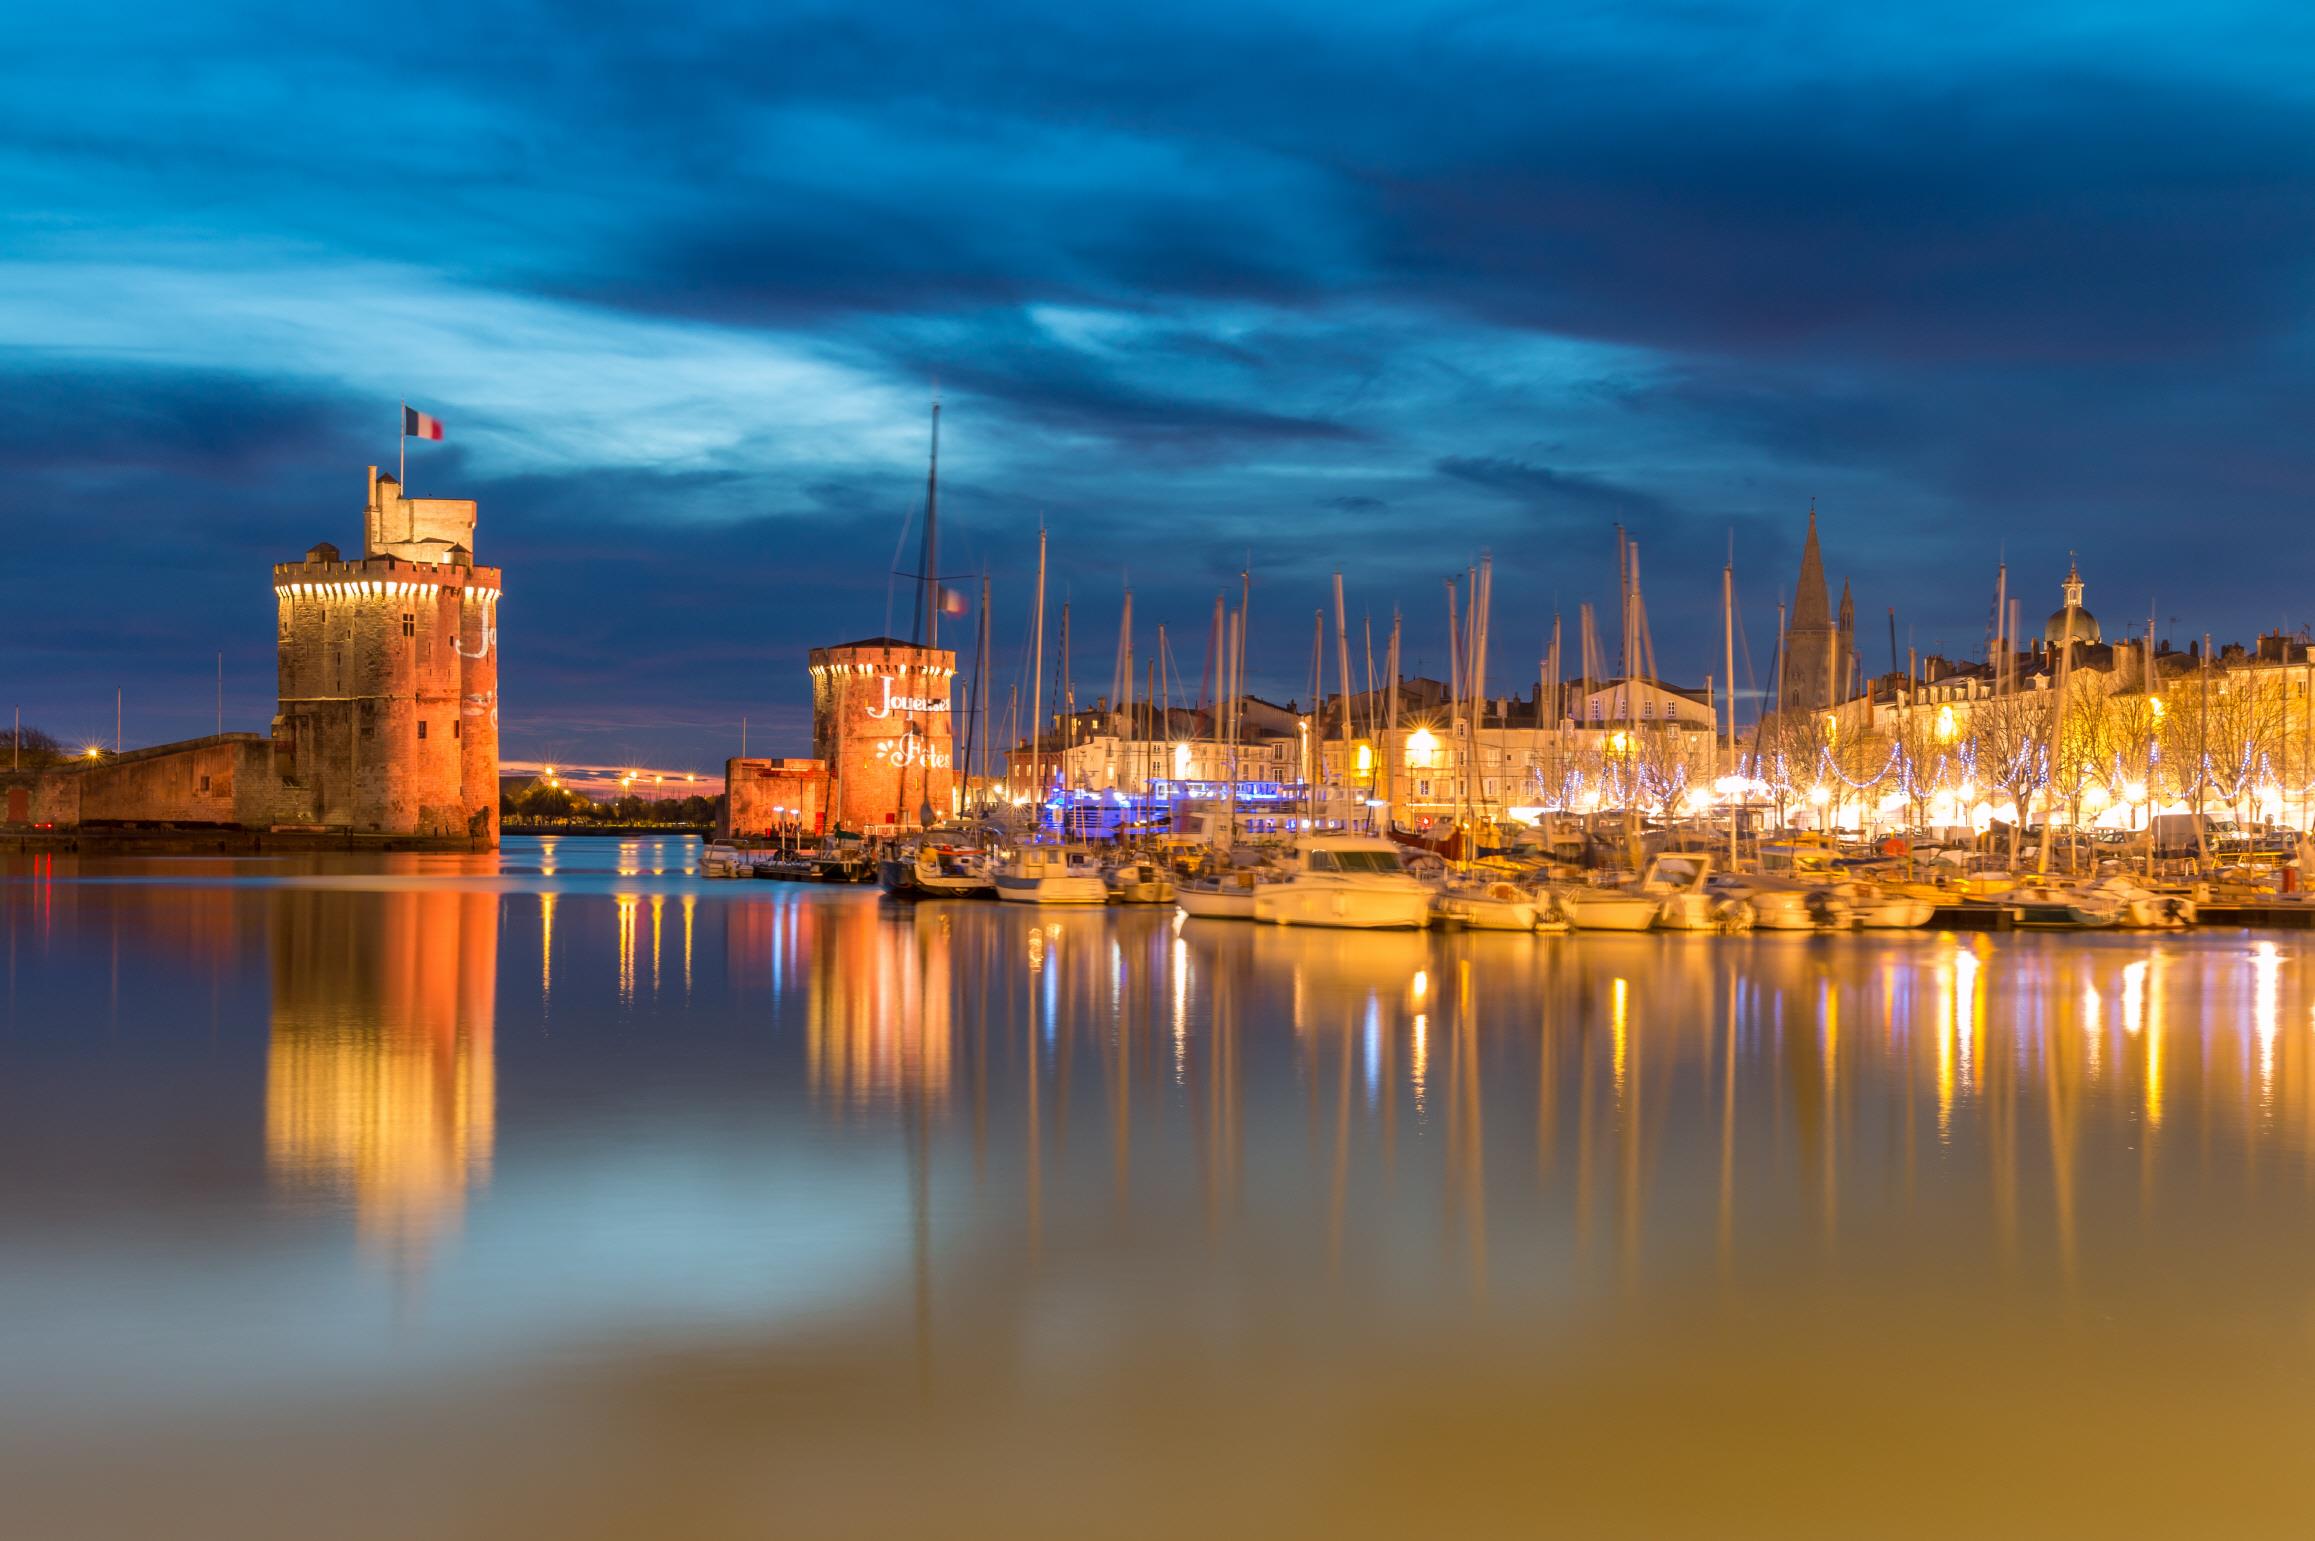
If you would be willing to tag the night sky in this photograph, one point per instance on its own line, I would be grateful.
(1319, 285)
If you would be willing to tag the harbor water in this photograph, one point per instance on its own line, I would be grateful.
(559, 1192)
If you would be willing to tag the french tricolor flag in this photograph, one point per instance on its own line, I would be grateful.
(417, 425)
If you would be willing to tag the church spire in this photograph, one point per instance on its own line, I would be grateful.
(1811, 607)
(1811, 642)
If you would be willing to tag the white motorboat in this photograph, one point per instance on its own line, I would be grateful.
(717, 860)
(1680, 883)
(1883, 909)
(1050, 874)
(1218, 896)
(1609, 907)
(1138, 882)
(1479, 905)
(1351, 881)
(2141, 906)
(2054, 907)
(1786, 904)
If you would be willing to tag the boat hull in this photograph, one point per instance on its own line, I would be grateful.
(1611, 912)
(1482, 913)
(1051, 890)
(1216, 904)
(1357, 907)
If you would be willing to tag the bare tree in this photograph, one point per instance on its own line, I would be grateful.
(2008, 747)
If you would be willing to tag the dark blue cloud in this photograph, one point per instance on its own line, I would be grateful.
(1296, 286)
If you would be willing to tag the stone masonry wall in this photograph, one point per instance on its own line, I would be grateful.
(765, 797)
(881, 720)
(374, 709)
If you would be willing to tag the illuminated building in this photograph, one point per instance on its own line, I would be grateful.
(881, 724)
(388, 721)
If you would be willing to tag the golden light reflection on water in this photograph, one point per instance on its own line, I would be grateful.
(1610, 1202)
(380, 1078)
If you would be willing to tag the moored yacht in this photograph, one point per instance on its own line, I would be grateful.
(1223, 894)
(928, 871)
(1609, 907)
(1344, 880)
(1138, 881)
(1786, 904)
(1050, 874)
(1480, 905)
(1685, 901)
(1877, 907)
(2142, 906)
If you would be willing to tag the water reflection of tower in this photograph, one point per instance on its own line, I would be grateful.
(877, 1018)
(380, 1082)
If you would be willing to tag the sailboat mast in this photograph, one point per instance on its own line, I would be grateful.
(1391, 708)
(927, 630)
(1313, 737)
(1455, 690)
(1037, 695)
(1342, 675)
(1728, 651)
(1068, 713)
(976, 694)
(1121, 697)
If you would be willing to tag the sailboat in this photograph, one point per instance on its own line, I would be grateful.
(1037, 872)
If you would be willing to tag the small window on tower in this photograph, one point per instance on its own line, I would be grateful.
(409, 624)
(421, 729)
(454, 729)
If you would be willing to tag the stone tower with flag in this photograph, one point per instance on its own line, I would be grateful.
(388, 662)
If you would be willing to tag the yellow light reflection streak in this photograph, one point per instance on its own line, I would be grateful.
(2266, 1015)
(2154, 1020)
(690, 903)
(1418, 1062)
(1619, 1006)
(546, 948)
(1181, 1007)
(2093, 1024)
(1948, 1027)
(626, 920)
(658, 908)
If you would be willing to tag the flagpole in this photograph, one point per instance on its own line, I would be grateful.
(402, 451)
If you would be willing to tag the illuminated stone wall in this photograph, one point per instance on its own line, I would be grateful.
(771, 797)
(388, 718)
(881, 721)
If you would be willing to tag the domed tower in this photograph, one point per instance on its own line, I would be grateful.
(2070, 622)
(388, 717)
